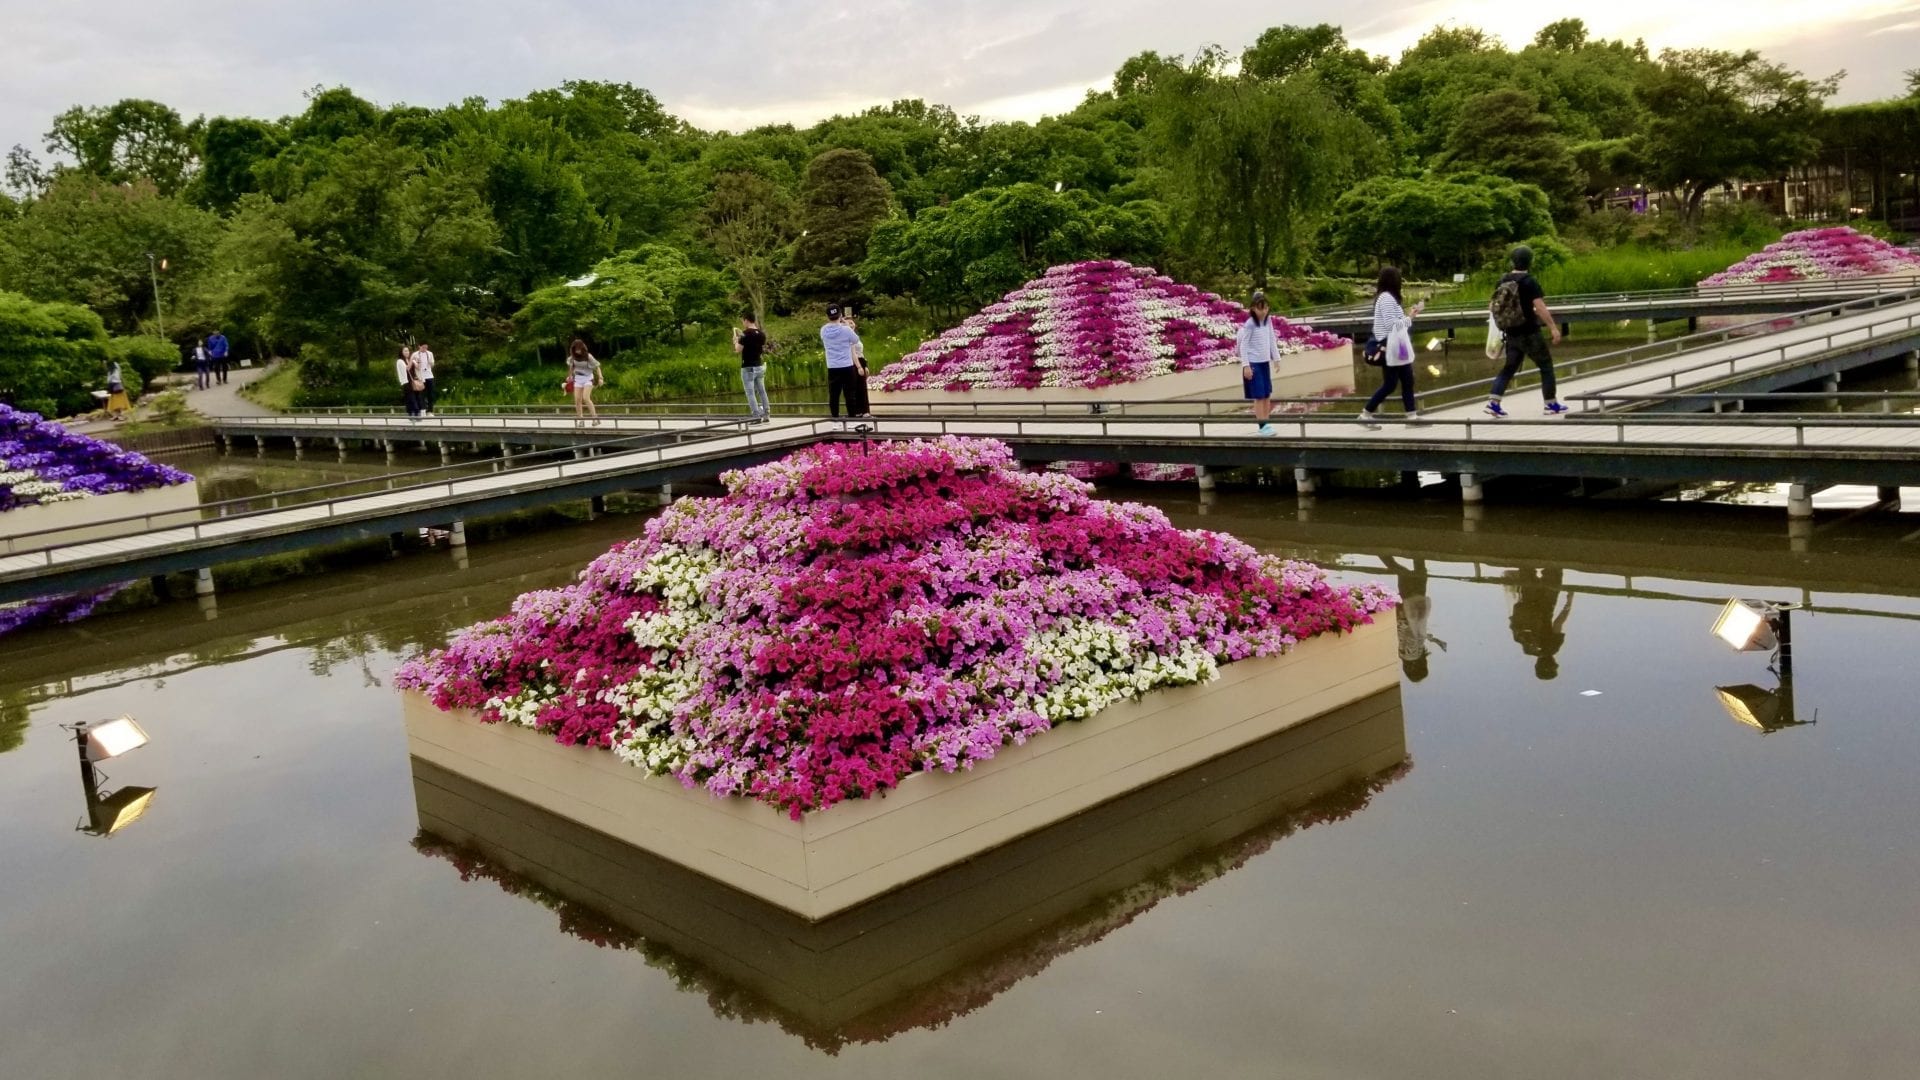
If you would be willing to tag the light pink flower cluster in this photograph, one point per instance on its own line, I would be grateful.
(1830, 254)
(853, 613)
(1087, 325)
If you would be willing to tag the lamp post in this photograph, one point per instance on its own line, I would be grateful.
(153, 271)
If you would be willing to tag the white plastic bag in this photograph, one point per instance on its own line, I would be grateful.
(1399, 347)
(1496, 341)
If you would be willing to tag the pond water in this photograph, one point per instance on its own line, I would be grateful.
(1591, 867)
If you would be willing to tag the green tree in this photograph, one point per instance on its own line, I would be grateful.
(86, 242)
(1715, 116)
(841, 199)
(51, 355)
(633, 297)
(130, 140)
(1441, 223)
(1256, 162)
(749, 220)
(229, 150)
(992, 240)
(1504, 132)
(1354, 79)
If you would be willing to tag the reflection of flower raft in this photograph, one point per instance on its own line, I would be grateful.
(847, 617)
(945, 945)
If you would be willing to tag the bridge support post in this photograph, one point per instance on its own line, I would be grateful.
(340, 448)
(1888, 496)
(226, 444)
(1653, 333)
(1470, 515)
(457, 534)
(506, 451)
(1305, 482)
(392, 448)
(203, 582)
(1693, 324)
(259, 446)
(1799, 534)
(597, 505)
(446, 454)
(299, 448)
(1913, 362)
(1203, 477)
(1471, 492)
(666, 494)
(1799, 501)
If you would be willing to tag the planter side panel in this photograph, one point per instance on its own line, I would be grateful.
(178, 504)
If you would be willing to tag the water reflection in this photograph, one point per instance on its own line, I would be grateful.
(946, 945)
(1412, 616)
(1537, 628)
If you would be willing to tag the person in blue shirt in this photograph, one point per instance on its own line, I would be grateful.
(217, 352)
(843, 363)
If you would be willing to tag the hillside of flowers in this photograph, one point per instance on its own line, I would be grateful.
(1087, 325)
(42, 462)
(1830, 254)
(854, 613)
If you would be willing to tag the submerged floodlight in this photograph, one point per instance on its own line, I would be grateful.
(1750, 625)
(108, 814)
(1766, 711)
(110, 739)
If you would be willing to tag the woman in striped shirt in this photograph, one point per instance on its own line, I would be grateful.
(1389, 316)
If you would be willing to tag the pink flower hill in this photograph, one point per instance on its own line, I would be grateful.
(1830, 254)
(850, 615)
(1087, 325)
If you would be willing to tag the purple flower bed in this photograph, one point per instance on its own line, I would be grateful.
(43, 462)
(1087, 325)
(1830, 254)
(850, 615)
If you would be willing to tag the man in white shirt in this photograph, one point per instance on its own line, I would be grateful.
(423, 368)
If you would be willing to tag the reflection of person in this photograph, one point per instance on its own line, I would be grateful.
(1537, 628)
(751, 342)
(1410, 618)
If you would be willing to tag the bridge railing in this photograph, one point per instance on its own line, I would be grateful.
(1717, 400)
(1731, 294)
(221, 513)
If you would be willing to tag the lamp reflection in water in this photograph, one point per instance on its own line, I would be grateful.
(946, 944)
(1751, 626)
(108, 813)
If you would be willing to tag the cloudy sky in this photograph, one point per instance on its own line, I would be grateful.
(735, 63)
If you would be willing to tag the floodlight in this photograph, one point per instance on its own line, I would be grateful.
(112, 738)
(1059, 186)
(583, 282)
(1748, 625)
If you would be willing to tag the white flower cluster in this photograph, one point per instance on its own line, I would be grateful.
(648, 702)
(524, 707)
(1098, 666)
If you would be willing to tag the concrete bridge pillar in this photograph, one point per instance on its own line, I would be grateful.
(1913, 362)
(1203, 477)
(1470, 490)
(1205, 507)
(226, 443)
(457, 534)
(1799, 534)
(209, 606)
(340, 448)
(1799, 501)
(299, 448)
(446, 454)
(1470, 515)
(259, 446)
(1305, 482)
(392, 448)
(203, 582)
(506, 451)
(666, 494)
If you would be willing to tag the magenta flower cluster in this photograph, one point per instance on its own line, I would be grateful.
(1087, 325)
(852, 614)
(43, 462)
(1830, 254)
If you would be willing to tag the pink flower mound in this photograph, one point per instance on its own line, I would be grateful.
(847, 616)
(1087, 325)
(1830, 254)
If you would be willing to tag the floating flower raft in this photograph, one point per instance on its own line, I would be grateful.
(850, 615)
(42, 463)
(1831, 254)
(1088, 325)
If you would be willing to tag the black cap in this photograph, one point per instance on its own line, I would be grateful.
(833, 311)
(1259, 297)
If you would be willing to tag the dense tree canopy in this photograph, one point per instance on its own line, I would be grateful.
(337, 232)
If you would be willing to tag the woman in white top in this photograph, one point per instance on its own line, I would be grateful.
(1259, 349)
(583, 374)
(1390, 318)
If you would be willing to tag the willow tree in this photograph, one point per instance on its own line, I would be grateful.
(1253, 164)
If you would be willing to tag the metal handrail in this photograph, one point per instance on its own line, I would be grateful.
(13, 546)
(1730, 293)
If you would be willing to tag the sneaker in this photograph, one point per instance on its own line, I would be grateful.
(1494, 409)
(1264, 431)
(1554, 408)
(1370, 418)
(1413, 417)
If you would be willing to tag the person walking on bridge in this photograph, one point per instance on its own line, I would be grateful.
(1393, 334)
(1519, 310)
(1259, 351)
(217, 349)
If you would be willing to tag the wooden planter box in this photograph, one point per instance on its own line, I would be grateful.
(943, 945)
(835, 859)
(176, 504)
(1298, 375)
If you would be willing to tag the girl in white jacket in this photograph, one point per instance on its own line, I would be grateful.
(1390, 317)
